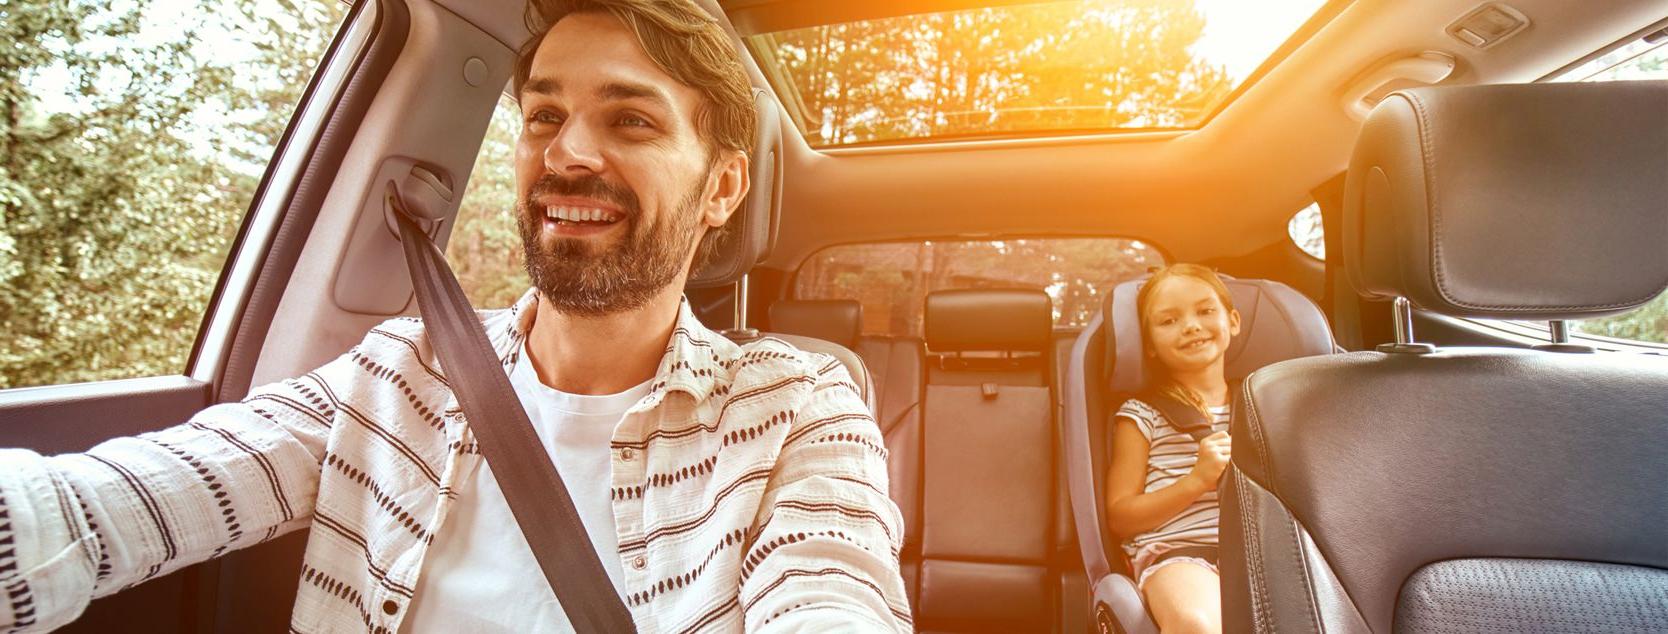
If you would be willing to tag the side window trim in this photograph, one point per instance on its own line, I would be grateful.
(208, 357)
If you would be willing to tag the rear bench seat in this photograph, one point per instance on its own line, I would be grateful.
(973, 451)
(988, 487)
(895, 368)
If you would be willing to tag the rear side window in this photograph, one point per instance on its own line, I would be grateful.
(1305, 231)
(892, 279)
(132, 138)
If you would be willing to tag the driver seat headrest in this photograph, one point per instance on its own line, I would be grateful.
(1276, 323)
(1516, 201)
(751, 231)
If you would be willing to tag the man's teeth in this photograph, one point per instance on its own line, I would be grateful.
(579, 214)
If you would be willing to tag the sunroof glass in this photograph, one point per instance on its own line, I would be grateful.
(1043, 68)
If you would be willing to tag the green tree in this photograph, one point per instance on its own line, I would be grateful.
(485, 246)
(1068, 65)
(130, 145)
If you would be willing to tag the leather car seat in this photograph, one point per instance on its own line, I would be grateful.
(1418, 489)
(1108, 365)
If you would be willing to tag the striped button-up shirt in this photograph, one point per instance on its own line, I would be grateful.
(749, 491)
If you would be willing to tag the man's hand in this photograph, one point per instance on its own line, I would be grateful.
(1214, 452)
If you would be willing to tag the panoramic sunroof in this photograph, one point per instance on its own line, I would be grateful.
(1023, 70)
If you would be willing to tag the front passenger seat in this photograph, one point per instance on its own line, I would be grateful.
(1415, 489)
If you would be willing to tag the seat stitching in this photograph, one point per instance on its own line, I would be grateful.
(1254, 422)
(1253, 554)
(1303, 565)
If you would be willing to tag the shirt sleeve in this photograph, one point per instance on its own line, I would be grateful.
(825, 555)
(1145, 417)
(74, 527)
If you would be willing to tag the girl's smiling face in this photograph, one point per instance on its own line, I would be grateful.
(1188, 327)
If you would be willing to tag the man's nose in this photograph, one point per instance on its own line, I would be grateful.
(574, 149)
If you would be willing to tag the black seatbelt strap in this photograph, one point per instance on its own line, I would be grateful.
(1184, 417)
(536, 495)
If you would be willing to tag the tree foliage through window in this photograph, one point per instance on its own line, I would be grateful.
(1053, 66)
(132, 137)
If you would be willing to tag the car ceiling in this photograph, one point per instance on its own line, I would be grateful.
(1226, 189)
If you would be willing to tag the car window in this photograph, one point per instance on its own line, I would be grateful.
(485, 247)
(892, 279)
(1306, 232)
(134, 137)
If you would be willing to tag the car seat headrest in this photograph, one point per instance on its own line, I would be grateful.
(751, 231)
(836, 320)
(989, 320)
(1533, 201)
(1276, 323)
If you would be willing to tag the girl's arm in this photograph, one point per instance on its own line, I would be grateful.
(1130, 512)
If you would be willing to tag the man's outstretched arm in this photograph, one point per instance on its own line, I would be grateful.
(827, 548)
(78, 526)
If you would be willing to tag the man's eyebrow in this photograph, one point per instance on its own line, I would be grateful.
(622, 90)
(543, 86)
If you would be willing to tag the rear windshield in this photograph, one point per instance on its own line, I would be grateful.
(892, 279)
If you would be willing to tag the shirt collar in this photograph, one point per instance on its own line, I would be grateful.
(694, 361)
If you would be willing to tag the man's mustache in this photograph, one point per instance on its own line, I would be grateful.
(589, 186)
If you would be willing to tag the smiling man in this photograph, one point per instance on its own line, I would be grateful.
(724, 487)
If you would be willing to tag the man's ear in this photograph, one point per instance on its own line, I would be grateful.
(728, 187)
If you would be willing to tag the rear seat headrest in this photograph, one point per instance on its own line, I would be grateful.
(751, 233)
(836, 320)
(1276, 323)
(1537, 201)
(968, 320)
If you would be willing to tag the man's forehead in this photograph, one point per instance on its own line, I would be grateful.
(594, 54)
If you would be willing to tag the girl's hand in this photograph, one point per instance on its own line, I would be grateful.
(1214, 452)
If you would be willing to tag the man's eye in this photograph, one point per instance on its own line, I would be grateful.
(634, 121)
(545, 117)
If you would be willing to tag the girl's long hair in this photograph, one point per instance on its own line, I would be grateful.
(1162, 382)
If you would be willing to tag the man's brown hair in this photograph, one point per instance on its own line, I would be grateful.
(684, 41)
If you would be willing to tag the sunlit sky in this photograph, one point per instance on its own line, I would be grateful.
(1240, 34)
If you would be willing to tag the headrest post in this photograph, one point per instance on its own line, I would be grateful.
(1403, 321)
(1403, 311)
(739, 331)
(1560, 331)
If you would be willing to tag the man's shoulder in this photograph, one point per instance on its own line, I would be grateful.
(783, 357)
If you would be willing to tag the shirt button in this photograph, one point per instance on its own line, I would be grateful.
(627, 454)
(390, 607)
(639, 563)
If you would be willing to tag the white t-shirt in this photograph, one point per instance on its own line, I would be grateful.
(480, 574)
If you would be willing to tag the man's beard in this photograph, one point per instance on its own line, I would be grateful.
(579, 279)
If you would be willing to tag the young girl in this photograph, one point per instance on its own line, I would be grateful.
(1161, 487)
